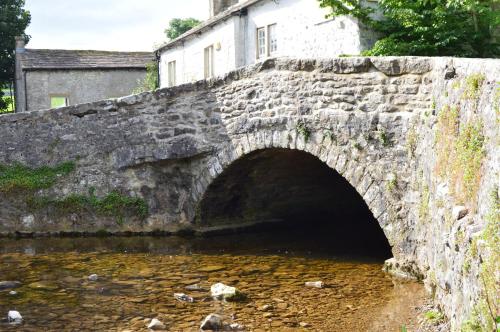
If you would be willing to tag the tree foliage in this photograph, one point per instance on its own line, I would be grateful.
(150, 81)
(464, 28)
(13, 22)
(178, 26)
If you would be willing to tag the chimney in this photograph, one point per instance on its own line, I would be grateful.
(218, 6)
(20, 44)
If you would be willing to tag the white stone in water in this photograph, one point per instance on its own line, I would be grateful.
(93, 277)
(212, 322)
(236, 327)
(14, 317)
(183, 297)
(221, 291)
(315, 284)
(155, 324)
(12, 292)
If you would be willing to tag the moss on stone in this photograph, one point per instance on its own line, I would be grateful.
(19, 177)
(473, 84)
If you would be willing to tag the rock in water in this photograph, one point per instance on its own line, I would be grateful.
(212, 322)
(227, 293)
(156, 325)
(93, 277)
(183, 297)
(315, 284)
(9, 284)
(14, 317)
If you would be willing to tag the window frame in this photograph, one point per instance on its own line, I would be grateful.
(208, 62)
(266, 29)
(171, 73)
(59, 95)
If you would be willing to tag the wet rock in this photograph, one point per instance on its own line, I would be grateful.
(9, 284)
(212, 322)
(266, 307)
(236, 327)
(212, 268)
(14, 317)
(227, 293)
(183, 297)
(304, 324)
(194, 287)
(155, 324)
(459, 212)
(314, 284)
(12, 293)
(41, 285)
(93, 277)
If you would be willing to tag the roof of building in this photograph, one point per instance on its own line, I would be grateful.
(233, 10)
(83, 59)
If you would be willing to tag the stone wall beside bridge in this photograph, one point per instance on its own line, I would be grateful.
(392, 127)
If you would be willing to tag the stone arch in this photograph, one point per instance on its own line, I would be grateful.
(358, 174)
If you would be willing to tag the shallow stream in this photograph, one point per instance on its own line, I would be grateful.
(139, 275)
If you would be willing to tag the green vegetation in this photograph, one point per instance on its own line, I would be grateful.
(434, 316)
(392, 184)
(464, 28)
(112, 205)
(303, 130)
(18, 177)
(423, 209)
(411, 141)
(150, 82)
(460, 153)
(13, 22)
(179, 26)
(328, 133)
(473, 84)
(384, 138)
(8, 103)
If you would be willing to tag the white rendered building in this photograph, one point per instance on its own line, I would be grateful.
(240, 33)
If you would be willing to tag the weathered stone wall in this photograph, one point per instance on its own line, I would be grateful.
(80, 86)
(373, 120)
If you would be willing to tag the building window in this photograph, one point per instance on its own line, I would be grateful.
(171, 73)
(58, 101)
(261, 42)
(273, 39)
(209, 61)
(267, 41)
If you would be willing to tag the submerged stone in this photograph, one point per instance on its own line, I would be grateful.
(315, 284)
(9, 284)
(93, 277)
(212, 268)
(41, 285)
(212, 322)
(14, 317)
(183, 297)
(155, 324)
(227, 293)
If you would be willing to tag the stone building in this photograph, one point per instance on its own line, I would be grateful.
(53, 78)
(243, 32)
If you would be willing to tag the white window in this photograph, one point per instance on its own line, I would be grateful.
(267, 41)
(58, 101)
(209, 61)
(171, 73)
(261, 43)
(273, 39)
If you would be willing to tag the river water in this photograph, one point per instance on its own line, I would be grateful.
(139, 275)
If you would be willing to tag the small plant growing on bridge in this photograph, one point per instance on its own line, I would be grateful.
(18, 177)
(328, 133)
(434, 316)
(423, 210)
(303, 130)
(473, 84)
(392, 184)
(384, 138)
(411, 141)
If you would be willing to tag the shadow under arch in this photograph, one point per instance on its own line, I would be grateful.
(309, 199)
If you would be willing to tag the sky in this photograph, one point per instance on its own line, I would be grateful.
(118, 25)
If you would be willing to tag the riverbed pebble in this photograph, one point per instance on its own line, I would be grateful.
(12, 292)
(212, 322)
(9, 284)
(14, 317)
(93, 277)
(224, 292)
(315, 284)
(156, 324)
(183, 297)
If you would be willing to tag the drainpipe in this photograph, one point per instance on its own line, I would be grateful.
(158, 77)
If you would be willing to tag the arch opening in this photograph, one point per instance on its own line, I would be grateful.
(310, 202)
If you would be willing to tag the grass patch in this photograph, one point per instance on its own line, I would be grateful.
(460, 153)
(19, 177)
(473, 84)
(434, 316)
(114, 205)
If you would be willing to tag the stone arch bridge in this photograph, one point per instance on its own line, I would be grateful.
(371, 120)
